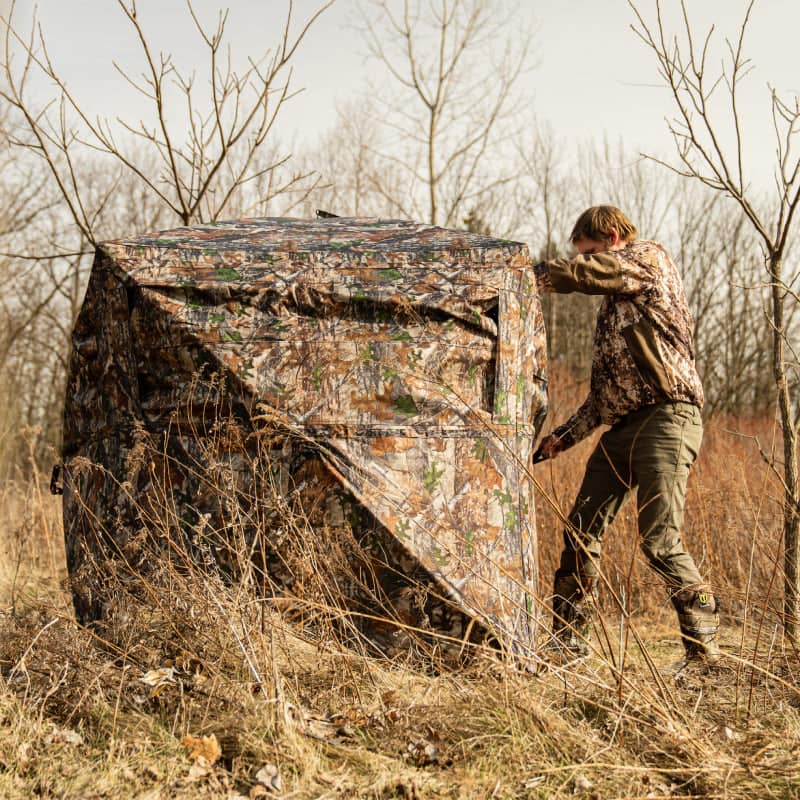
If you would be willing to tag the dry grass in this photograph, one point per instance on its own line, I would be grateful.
(32, 564)
(80, 723)
(89, 717)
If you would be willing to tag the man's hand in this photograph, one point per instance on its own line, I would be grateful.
(548, 448)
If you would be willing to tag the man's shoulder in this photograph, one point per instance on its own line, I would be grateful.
(645, 247)
(650, 255)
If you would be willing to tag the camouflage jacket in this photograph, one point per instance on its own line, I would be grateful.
(643, 342)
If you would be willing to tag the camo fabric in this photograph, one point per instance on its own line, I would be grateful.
(393, 365)
(643, 346)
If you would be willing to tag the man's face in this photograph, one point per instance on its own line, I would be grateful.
(588, 247)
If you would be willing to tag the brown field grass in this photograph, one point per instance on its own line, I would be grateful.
(286, 711)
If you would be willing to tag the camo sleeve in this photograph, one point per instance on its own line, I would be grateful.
(542, 274)
(580, 424)
(619, 272)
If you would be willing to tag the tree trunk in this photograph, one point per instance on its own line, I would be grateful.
(432, 187)
(791, 500)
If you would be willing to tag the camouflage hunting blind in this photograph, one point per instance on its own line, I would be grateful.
(381, 381)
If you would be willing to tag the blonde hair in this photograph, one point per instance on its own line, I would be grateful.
(598, 222)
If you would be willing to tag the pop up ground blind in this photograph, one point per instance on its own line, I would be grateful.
(379, 380)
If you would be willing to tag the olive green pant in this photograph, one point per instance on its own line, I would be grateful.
(648, 452)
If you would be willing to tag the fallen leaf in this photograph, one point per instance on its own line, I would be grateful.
(25, 755)
(157, 679)
(200, 769)
(530, 783)
(661, 790)
(64, 736)
(724, 733)
(269, 776)
(422, 752)
(205, 747)
(581, 784)
(390, 697)
(128, 774)
(346, 731)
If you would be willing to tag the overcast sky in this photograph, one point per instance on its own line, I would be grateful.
(593, 76)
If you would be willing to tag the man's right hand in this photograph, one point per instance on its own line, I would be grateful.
(548, 448)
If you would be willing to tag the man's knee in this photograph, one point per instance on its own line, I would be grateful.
(590, 515)
(658, 549)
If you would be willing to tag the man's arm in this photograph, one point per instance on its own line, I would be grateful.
(569, 433)
(602, 273)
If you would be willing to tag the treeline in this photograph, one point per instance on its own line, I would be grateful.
(441, 142)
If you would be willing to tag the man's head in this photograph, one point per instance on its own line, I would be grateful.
(602, 228)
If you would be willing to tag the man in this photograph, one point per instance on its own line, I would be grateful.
(645, 386)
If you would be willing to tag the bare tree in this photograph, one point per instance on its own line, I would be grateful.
(443, 112)
(546, 199)
(45, 265)
(203, 159)
(701, 133)
(353, 178)
(611, 173)
(68, 180)
(722, 265)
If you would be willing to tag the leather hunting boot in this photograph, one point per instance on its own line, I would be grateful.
(573, 605)
(698, 617)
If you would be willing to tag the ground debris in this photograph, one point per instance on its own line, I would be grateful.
(269, 777)
(581, 784)
(422, 752)
(203, 747)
